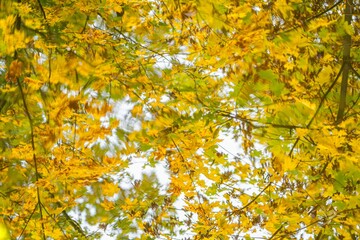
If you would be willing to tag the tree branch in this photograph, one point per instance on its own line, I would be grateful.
(276, 232)
(346, 64)
(256, 124)
(256, 197)
(323, 12)
(355, 72)
(325, 95)
(27, 222)
(34, 155)
(42, 9)
(73, 223)
(319, 107)
(310, 19)
(56, 222)
(252, 200)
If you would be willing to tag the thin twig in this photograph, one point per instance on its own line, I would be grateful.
(293, 147)
(27, 112)
(353, 105)
(256, 197)
(319, 107)
(276, 232)
(191, 178)
(354, 71)
(256, 124)
(253, 200)
(86, 21)
(310, 19)
(73, 223)
(56, 222)
(325, 95)
(42, 9)
(323, 12)
(27, 222)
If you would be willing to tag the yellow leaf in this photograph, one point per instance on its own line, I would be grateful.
(325, 75)
(137, 110)
(289, 163)
(107, 205)
(301, 132)
(109, 189)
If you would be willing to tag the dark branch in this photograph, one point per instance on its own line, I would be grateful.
(86, 21)
(325, 95)
(42, 9)
(318, 108)
(354, 103)
(56, 222)
(256, 124)
(355, 72)
(311, 18)
(27, 112)
(256, 197)
(293, 147)
(27, 222)
(276, 232)
(252, 200)
(323, 12)
(346, 64)
(73, 223)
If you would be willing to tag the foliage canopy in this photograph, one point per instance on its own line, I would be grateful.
(89, 88)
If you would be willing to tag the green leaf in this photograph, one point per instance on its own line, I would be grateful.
(340, 205)
(268, 75)
(220, 8)
(277, 87)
